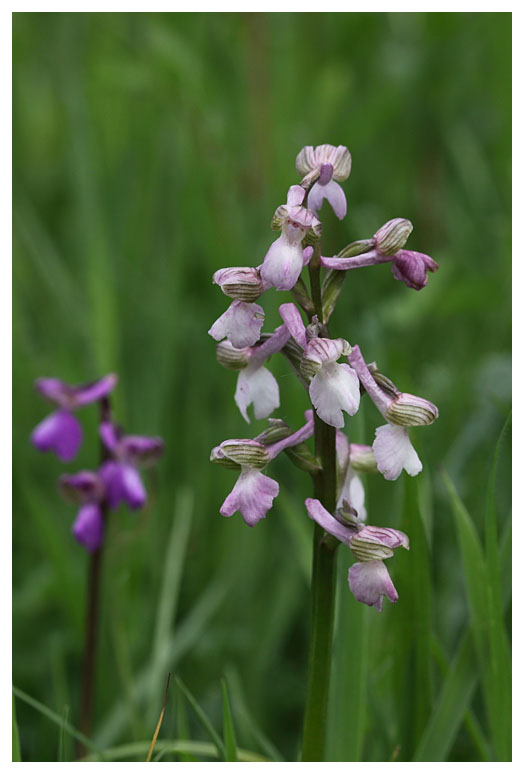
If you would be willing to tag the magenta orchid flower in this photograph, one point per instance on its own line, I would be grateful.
(328, 164)
(120, 475)
(255, 384)
(254, 493)
(285, 258)
(368, 578)
(60, 431)
(87, 489)
(334, 387)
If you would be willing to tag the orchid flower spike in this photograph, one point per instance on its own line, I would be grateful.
(368, 579)
(60, 431)
(392, 448)
(254, 493)
(325, 164)
(120, 474)
(255, 384)
(334, 387)
(285, 258)
(87, 489)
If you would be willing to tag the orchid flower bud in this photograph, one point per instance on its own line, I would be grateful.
(392, 236)
(376, 543)
(411, 267)
(240, 282)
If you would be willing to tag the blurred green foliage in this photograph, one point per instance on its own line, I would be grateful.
(150, 150)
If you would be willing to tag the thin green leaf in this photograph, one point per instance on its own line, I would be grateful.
(245, 717)
(167, 606)
(230, 743)
(347, 714)
(477, 584)
(195, 747)
(16, 754)
(203, 718)
(62, 755)
(182, 726)
(56, 719)
(458, 689)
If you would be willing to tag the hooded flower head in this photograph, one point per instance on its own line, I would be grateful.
(240, 282)
(368, 579)
(285, 258)
(325, 164)
(254, 493)
(60, 431)
(334, 387)
(120, 474)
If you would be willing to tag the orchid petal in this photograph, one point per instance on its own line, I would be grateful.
(283, 263)
(241, 324)
(88, 528)
(369, 582)
(394, 451)
(256, 385)
(60, 432)
(334, 389)
(252, 495)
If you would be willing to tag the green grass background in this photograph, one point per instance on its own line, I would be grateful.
(150, 150)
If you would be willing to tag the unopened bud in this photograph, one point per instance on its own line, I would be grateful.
(407, 409)
(240, 282)
(232, 357)
(301, 457)
(362, 459)
(240, 452)
(386, 384)
(392, 236)
(277, 431)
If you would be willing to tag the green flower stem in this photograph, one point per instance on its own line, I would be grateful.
(323, 575)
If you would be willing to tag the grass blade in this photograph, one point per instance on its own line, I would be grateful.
(56, 719)
(483, 623)
(62, 744)
(139, 749)
(230, 743)
(182, 726)
(16, 755)
(458, 689)
(167, 606)
(159, 722)
(203, 718)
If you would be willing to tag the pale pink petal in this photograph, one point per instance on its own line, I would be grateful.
(253, 496)
(394, 451)
(294, 322)
(353, 492)
(334, 389)
(282, 264)
(256, 385)
(241, 324)
(333, 193)
(295, 196)
(319, 514)
(369, 582)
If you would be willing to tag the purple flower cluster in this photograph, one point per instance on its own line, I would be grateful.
(117, 479)
(334, 387)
